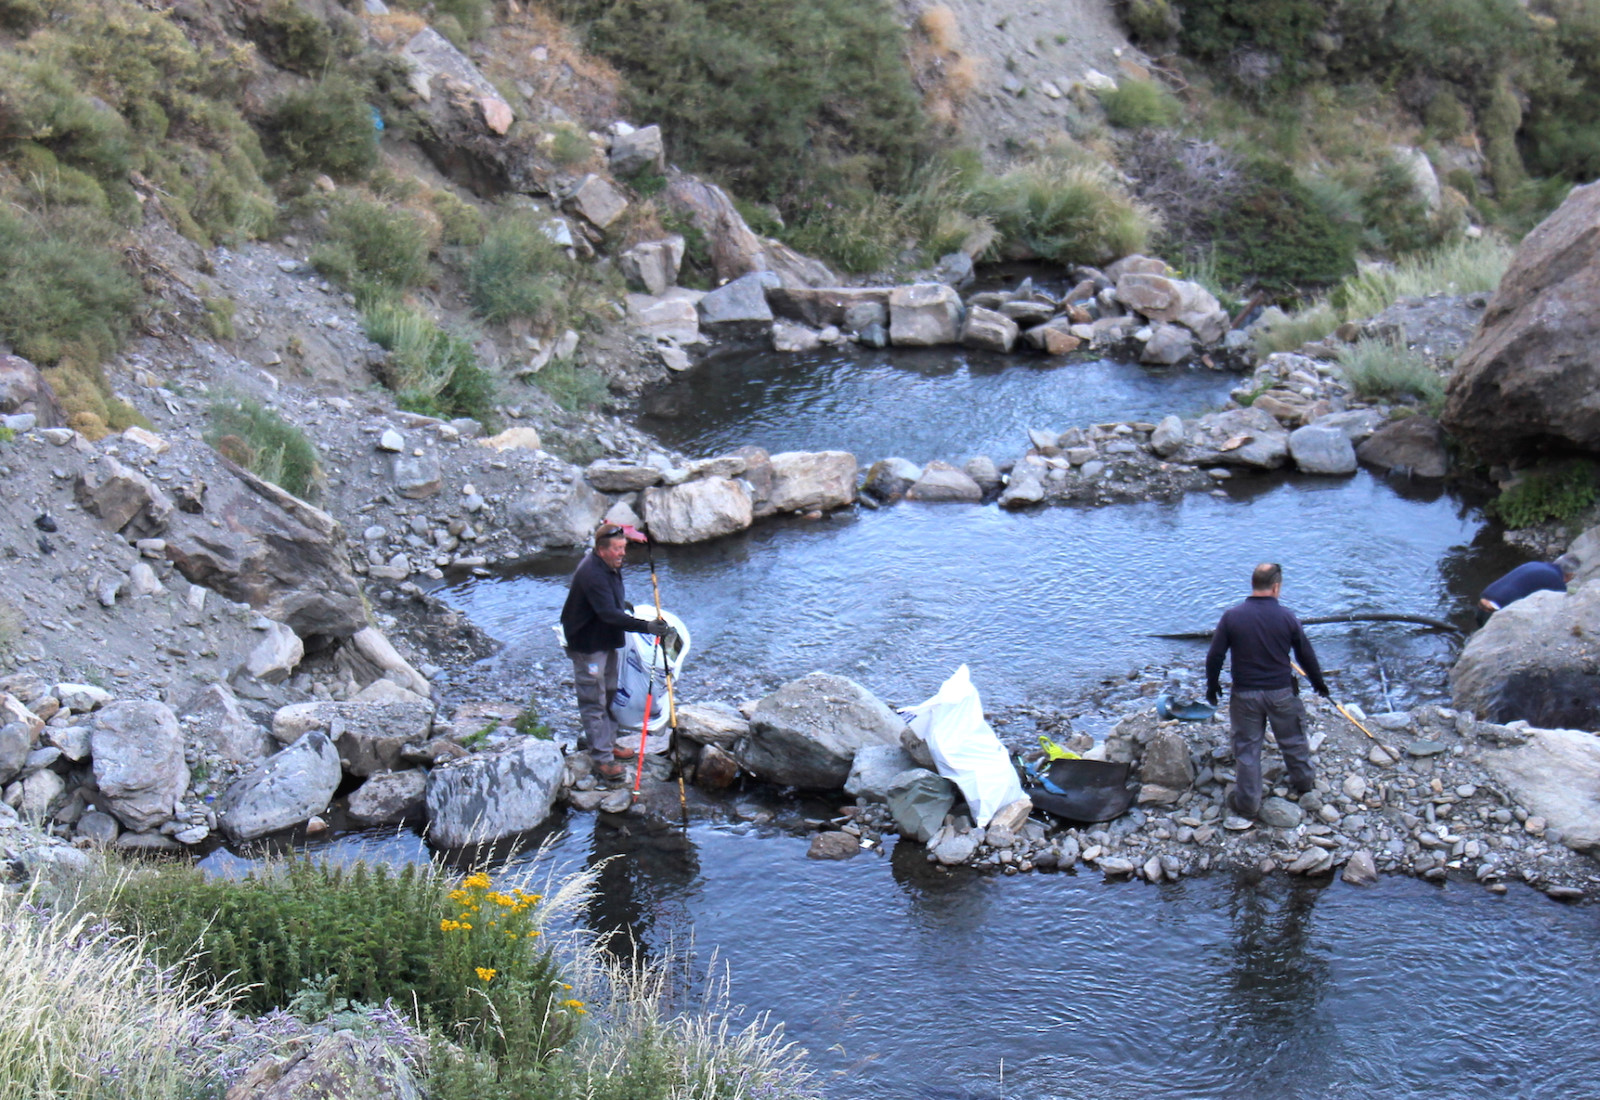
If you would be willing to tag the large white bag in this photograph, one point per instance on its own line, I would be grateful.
(964, 746)
(642, 670)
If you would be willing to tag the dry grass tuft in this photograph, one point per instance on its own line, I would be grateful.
(939, 24)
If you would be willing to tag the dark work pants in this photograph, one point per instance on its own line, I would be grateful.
(1250, 712)
(595, 677)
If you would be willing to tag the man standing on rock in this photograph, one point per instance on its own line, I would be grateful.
(1261, 634)
(594, 619)
(1525, 580)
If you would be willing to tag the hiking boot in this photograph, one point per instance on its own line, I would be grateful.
(623, 754)
(611, 769)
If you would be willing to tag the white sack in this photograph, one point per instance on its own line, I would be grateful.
(642, 669)
(964, 746)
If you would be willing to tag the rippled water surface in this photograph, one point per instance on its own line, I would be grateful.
(907, 982)
(947, 403)
(1043, 605)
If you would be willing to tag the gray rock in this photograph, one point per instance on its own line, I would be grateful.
(1356, 424)
(276, 655)
(806, 734)
(742, 301)
(954, 269)
(873, 335)
(138, 762)
(805, 481)
(97, 827)
(597, 200)
(610, 476)
(672, 319)
(981, 469)
(1238, 437)
(557, 516)
(918, 801)
(633, 152)
(698, 510)
(125, 500)
(343, 1065)
(24, 391)
(1534, 660)
(370, 736)
(924, 315)
(283, 790)
(889, 478)
(1167, 346)
(390, 798)
(833, 845)
(987, 330)
(874, 768)
(1555, 773)
(1167, 439)
(81, 698)
(491, 796)
(790, 337)
(16, 741)
(941, 481)
(73, 741)
(1414, 444)
(711, 724)
(1280, 813)
(416, 477)
(1166, 761)
(1317, 450)
(1361, 869)
(955, 850)
(1025, 487)
(391, 441)
(41, 794)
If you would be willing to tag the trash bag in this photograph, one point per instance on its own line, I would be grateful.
(965, 748)
(1183, 709)
(644, 663)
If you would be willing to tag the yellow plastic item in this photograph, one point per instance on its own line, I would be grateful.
(1053, 751)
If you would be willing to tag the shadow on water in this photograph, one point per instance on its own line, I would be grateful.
(915, 403)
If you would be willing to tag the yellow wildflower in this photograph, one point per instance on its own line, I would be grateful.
(572, 1002)
(479, 881)
(487, 973)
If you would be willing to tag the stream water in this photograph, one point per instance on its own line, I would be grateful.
(908, 982)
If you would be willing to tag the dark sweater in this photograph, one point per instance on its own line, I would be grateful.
(595, 615)
(1261, 632)
(1525, 580)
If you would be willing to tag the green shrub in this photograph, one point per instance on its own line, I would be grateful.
(1445, 116)
(293, 37)
(326, 127)
(519, 271)
(572, 387)
(1562, 493)
(469, 958)
(1464, 267)
(60, 286)
(1396, 216)
(219, 317)
(787, 102)
(372, 247)
(263, 442)
(431, 370)
(1275, 235)
(1140, 105)
(1280, 33)
(1388, 369)
(569, 146)
(860, 237)
(460, 221)
(1068, 213)
(21, 16)
(1302, 327)
(1155, 22)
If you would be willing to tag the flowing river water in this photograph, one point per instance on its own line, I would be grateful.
(904, 981)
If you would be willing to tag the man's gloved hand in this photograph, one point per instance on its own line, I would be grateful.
(1213, 694)
(1322, 689)
(659, 627)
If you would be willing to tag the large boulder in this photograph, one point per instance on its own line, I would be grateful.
(712, 724)
(390, 798)
(1555, 773)
(697, 510)
(370, 736)
(611, 475)
(740, 301)
(490, 796)
(874, 769)
(849, 307)
(807, 733)
(257, 544)
(1166, 761)
(138, 762)
(671, 319)
(1166, 440)
(1318, 450)
(1238, 437)
(652, 266)
(1535, 659)
(16, 742)
(276, 655)
(889, 478)
(597, 200)
(215, 719)
(924, 315)
(1586, 549)
(736, 250)
(562, 515)
(1414, 444)
(24, 390)
(637, 150)
(372, 657)
(1167, 346)
(809, 481)
(988, 330)
(1529, 379)
(283, 790)
(124, 499)
(942, 481)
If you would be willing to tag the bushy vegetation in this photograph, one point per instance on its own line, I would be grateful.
(796, 104)
(1559, 493)
(326, 127)
(1063, 211)
(519, 271)
(1139, 105)
(572, 387)
(61, 287)
(1275, 234)
(431, 370)
(373, 248)
(263, 442)
(1388, 369)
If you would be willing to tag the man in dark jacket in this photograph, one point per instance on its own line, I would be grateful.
(594, 619)
(1525, 580)
(1261, 634)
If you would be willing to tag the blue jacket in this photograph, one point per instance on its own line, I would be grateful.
(1525, 580)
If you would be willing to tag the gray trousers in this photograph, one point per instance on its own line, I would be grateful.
(1250, 712)
(595, 676)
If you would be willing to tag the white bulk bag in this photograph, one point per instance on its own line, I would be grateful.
(964, 746)
(642, 669)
